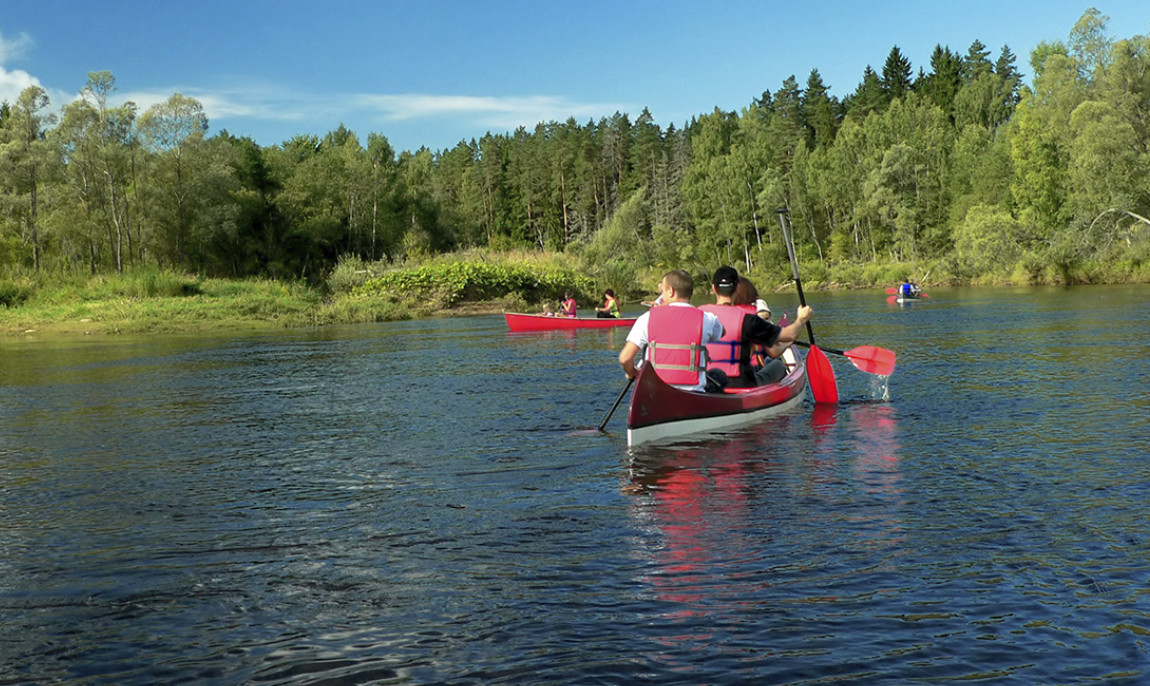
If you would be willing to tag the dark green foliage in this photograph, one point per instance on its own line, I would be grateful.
(13, 293)
(888, 173)
(449, 283)
(896, 74)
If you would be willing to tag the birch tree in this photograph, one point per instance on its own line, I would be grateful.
(27, 163)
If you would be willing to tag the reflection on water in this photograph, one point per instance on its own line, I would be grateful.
(428, 502)
(738, 531)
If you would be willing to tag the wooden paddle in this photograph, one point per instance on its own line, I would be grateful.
(617, 401)
(819, 371)
(868, 358)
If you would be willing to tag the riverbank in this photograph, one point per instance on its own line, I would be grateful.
(205, 315)
(165, 303)
(156, 301)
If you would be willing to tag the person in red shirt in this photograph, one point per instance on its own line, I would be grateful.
(568, 307)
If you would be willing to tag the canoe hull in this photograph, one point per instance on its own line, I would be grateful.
(539, 322)
(659, 411)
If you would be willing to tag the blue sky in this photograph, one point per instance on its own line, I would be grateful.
(436, 72)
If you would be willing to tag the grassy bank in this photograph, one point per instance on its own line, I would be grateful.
(163, 302)
(158, 301)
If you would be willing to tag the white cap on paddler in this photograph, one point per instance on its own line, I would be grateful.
(761, 306)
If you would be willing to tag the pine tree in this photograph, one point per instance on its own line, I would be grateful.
(821, 114)
(944, 80)
(868, 97)
(976, 62)
(896, 75)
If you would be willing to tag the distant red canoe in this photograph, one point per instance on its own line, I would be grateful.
(659, 411)
(540, 322)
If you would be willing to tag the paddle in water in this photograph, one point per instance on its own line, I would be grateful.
(819, 371)
(617, 401)
(867, 358)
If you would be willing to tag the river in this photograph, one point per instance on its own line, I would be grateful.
(429, 502)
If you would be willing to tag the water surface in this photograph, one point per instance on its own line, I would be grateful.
(428, 502)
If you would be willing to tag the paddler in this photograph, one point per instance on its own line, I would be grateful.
(673, 337)
(610, 306)
(746, 332)
(568, 307)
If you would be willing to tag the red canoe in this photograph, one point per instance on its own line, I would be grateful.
(540, 322)
(660, 411)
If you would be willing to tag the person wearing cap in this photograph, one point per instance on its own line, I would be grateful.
(673, 337)
(763, 309)
(744, 331)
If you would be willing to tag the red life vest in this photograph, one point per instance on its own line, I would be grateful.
(728, 350)
(569, 307)
(675, 344)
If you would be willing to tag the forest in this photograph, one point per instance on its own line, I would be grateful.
(957, 172)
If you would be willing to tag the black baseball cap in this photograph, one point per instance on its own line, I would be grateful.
(725, 277)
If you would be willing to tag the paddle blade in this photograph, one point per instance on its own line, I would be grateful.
(891, 290)
(821, 377)
(872, 360)
(892, 299)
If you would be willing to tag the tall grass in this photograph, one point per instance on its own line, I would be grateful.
(162, 301)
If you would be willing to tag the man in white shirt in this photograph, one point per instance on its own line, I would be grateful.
(675, 288)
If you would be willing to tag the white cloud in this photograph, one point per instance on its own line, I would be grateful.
(502, 112)
(256, 103)
(265, 108)
(269, 104)
(12, 83)
(15, 47)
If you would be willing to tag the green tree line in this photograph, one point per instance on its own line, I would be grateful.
(960, 167)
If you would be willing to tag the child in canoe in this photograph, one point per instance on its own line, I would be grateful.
(568, 307)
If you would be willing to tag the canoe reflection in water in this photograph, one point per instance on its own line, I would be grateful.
(695, 503)
(744, 525)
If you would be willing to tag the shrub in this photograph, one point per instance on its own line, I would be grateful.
(454, 282)
(14, 293)
(349, 273)
(162, 284)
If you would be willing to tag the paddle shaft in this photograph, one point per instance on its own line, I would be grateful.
(795, 267)
(867, 358)
(823, 348)
(617, 401)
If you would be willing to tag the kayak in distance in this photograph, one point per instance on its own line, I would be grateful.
(542, 322)
(895, 295)
(660, 411)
